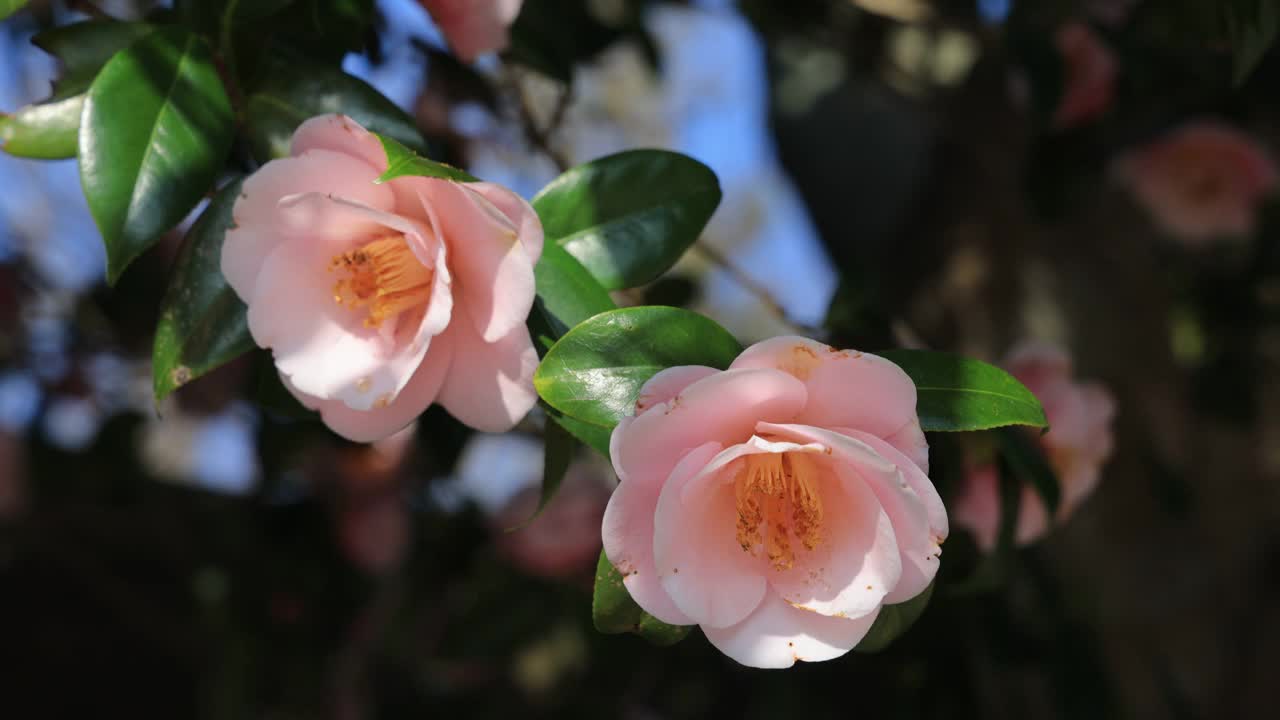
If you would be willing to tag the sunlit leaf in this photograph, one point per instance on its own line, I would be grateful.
(595, 372)
(155, 131)
(956, 393)
(629, 217)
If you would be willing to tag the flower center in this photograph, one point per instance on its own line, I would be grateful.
(382, 276)
(778, 499)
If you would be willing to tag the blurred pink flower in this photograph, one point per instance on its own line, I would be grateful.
(1090, 76)
(378, 299)
(373, 532)
(778, 504)
(474, 27)
(1078, 443)
(563, 542)
(1200, 181)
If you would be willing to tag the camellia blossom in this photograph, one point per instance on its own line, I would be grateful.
(1201, 181)
(1090, 76)
(778, 504)
(1077, 445)
(378, 299)
(474, 27)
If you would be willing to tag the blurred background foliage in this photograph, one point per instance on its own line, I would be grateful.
(892, 175)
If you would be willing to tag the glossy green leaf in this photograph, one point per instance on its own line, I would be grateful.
(83, 48)
(958, 394)
(893, 621)
(1029, 464)
(595, 437)
(293, 89)
(9, 7)
(567, 295)
(595, 371)
(47, 131)
(50, 130)
(402, 162)
(613, 611)
(629, 217)
(155, 131)
(203, 324)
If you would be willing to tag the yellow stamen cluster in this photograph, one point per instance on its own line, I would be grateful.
(383, 276)
(778, 499)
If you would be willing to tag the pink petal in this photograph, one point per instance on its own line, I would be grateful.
(977, 507)
(493, 272)
(668, 383)
(259, 226)
(696, 551)
(323, 347)
(521, 214)
(474, 27)
(341, 134)
(776, 635)
(911, 442)
(378, 423)
(723, 407)
(845, 388)
(628, 534)
(918, 518)
(490, 386)
(916, 479)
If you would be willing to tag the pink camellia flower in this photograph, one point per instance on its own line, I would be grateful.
(474, 27)
(378, 299)
(1200, 181)
(777, 504)
(1090, 80)
(1077, 444)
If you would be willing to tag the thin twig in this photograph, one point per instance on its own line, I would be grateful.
(751, 285)
(540, 138)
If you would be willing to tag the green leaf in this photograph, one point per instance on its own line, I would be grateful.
(50, 130)
(156, 128)
(47, 131)
(893, 621)
(567, 295)
(613, 611)
(595, 437)
(595, 371)
(203, 324)
(1028, 463)
(83, 48)
(293, 89)
(629, 217)
(402, 162)
(9, 7)
(558, 447)
(958, 394)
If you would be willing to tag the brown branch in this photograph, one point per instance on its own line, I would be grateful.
(540, 138)
(751, 285)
